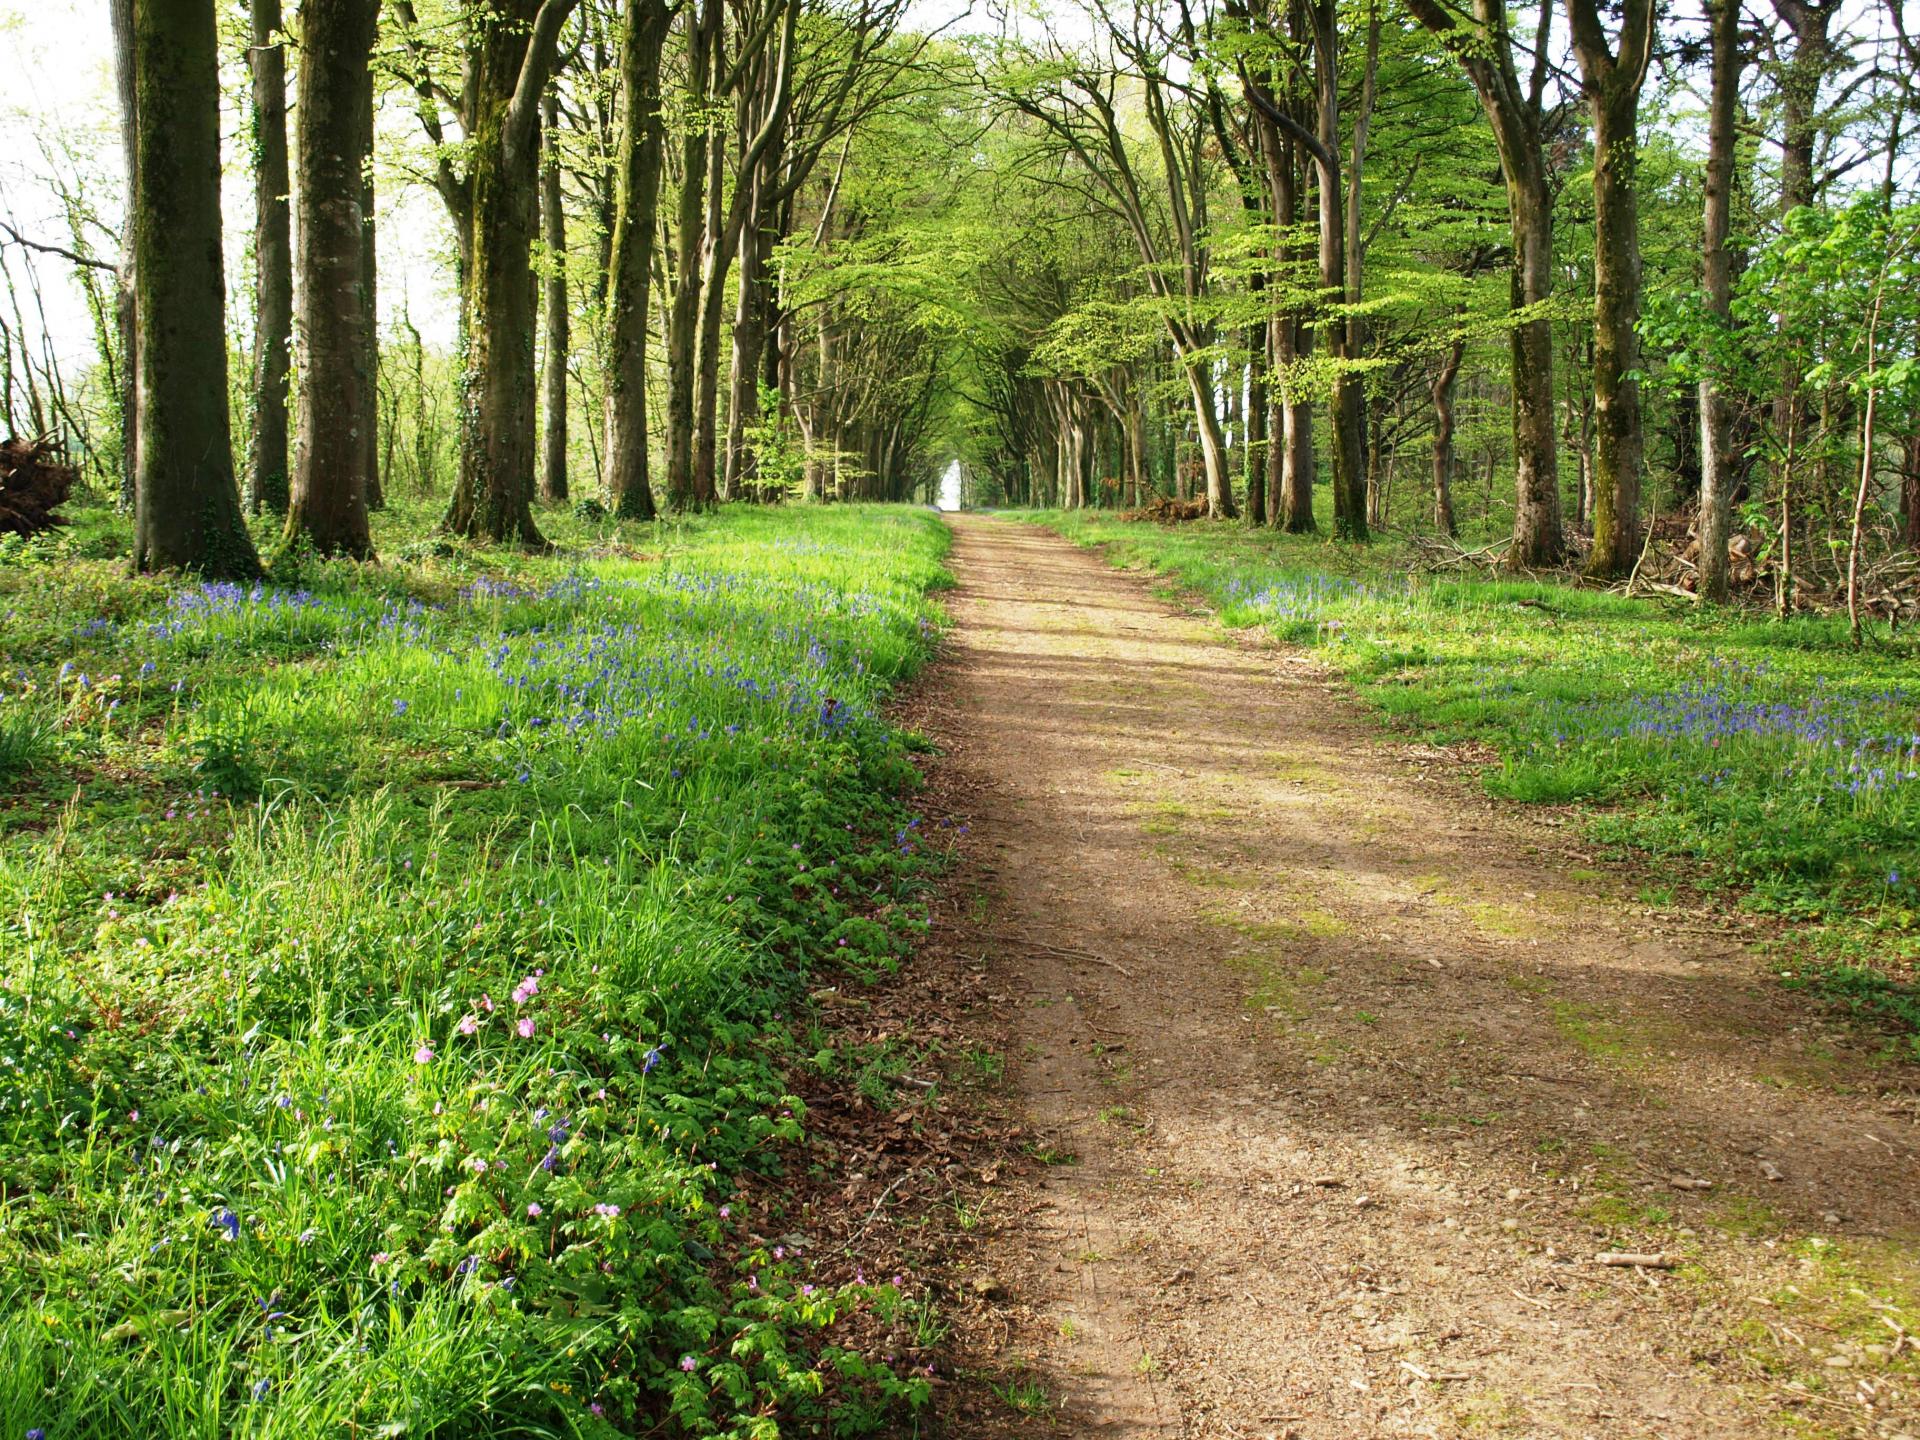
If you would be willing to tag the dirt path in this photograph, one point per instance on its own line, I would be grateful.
(1342, 1077)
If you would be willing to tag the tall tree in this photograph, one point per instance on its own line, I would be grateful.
(125, 311)
(706, 21)
(186, 505)
(638, 162)
(330, 481)
(1612, 81)
(1483, 44)
(1800, 74)
(760, 77)
(510, 51)
(369, 367)
(272, 260)
(1718, 464)
(1347, 418)
(1080, 104)
(555, 317)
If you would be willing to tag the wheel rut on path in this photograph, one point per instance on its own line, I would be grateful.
(1339, 1077)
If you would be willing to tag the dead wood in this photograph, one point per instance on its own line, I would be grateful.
(34, 483)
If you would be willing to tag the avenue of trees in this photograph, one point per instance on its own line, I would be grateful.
(1530, 277)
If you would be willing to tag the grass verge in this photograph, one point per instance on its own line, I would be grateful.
(1768, 760)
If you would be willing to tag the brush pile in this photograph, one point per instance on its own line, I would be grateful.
(33, 484)
(1165, 510)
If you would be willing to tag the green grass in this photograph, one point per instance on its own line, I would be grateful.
(1768, 760)
(390, 969)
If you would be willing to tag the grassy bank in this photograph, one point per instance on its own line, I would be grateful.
(389, 962)
(1769, 760)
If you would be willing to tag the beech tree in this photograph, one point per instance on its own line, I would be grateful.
(488, 180)
(1075, 101)
(1483, 44)
(1612, 79)
(1718, 469)
(272, 258)
(555, 317)
(186, 503)
(637, 168)
(335, 414)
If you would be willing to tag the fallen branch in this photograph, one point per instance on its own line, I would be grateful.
(1634, 1259)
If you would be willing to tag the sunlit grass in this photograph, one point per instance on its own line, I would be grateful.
(386, 962)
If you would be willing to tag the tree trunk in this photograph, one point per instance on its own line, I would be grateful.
(125, 313)
(1213, 450)
(273, 261)
(1348, 411)
(1612, 88)
(749, 345)
(1441, 389)
(1257, 438)
(512, 58)
(329, 503)
(1910, 492)
(642, 153)
(1290, 427)
(370, 336)
(186, 504)
(1294, 497)
(683, 316)
(1718, 463)
(1805, 70)
(1484, 47)
(553, 231)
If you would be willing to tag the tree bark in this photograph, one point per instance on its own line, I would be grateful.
(370, 336)
(1910, 492)
(1810, 22)
(273, 260)
(1258, 440)
(641, 155)
(683, 314)
(1718, 464)
(510, 62)
(749, 343)
(1290, 448)
(329, 502)
(1441, 390)
(553, 231)
(125, 310)
(1612, 85)
(186, 505)
(1348, 411)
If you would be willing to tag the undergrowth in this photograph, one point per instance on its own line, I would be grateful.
(390, 962)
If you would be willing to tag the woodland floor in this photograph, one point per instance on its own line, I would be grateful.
(1336, 1076)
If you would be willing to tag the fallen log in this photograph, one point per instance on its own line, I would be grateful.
(1167, 511)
